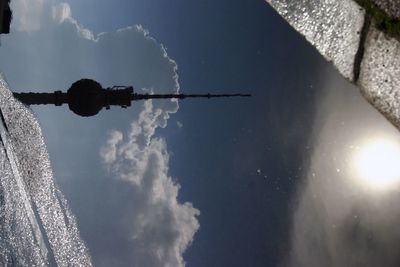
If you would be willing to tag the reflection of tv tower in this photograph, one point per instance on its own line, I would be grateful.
(87, 97)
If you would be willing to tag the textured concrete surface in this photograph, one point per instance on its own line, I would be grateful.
(380, 74)
(333, 27)
(351, 39)
(32, 207)
(391, 7)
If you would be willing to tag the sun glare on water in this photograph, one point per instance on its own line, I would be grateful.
(378, 164)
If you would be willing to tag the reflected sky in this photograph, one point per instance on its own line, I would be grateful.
(346, 213)
(271, 180)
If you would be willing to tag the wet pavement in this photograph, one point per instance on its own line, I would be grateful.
(391, 7)
(351, 38)
(37, 227)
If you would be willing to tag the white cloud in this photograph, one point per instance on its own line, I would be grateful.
(61, 12)
(109, 151)
(27, 14)
(163, 228)
(51, 50)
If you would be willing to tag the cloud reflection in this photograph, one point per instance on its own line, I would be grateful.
(339, 221)
(130, 216)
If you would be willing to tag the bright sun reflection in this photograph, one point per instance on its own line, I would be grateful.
(378, 164)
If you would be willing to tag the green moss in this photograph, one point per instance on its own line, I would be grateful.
(383, 22)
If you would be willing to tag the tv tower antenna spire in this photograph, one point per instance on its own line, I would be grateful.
(87, 97)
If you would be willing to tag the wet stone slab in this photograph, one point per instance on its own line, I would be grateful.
(391, 7)
(36, 226)
(333, 27)
(380, 74)
(366, 55)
